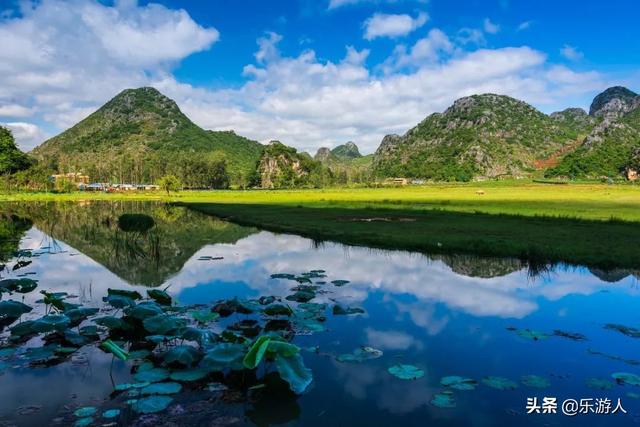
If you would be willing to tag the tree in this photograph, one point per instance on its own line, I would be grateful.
(170, 183)
(11, 158)
(218, 177)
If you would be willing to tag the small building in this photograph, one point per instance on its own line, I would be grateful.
(397, 181)
(632, 174)
(94, 186)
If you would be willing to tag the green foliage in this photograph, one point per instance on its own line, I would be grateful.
(607, 156)
(141, 135)
(170, 183)
(479, 136)
(11, 158)
(283, 167)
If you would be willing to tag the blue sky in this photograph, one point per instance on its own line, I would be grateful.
(309, 73)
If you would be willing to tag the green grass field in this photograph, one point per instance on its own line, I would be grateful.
(584, 201)
(589, 224)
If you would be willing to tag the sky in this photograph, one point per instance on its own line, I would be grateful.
(309, 73)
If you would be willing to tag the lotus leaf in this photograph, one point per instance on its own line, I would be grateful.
(161, 297)
(535, 381)
(360, 355)
(406, 372)
(459, 383)
(444, 399)
(162, 388)
(183, 354)
(152, 404)
(499, 383)
(293, 371)
(154, 375)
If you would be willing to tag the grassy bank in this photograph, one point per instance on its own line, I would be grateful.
(590, 224)
(536, 240)
(584, 201)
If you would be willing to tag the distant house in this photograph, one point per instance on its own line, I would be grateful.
(94, 186)
(632, 174)
(396, 181)
(75, 177)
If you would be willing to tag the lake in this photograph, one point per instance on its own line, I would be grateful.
(389, 337)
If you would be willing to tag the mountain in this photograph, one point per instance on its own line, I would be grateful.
(11, 158)
(140, 135)
(348, 151)
(611, 147)
(615, 100)
(478, 137)
(282, 166)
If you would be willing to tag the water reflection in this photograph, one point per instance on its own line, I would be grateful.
(446, 314)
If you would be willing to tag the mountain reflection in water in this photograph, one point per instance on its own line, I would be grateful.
(447, 314)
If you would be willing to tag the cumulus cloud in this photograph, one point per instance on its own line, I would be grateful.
(490, 27)
(571, 53)
(524, 26)
(66, 56)
(61, 64)
(383, 25)
(27, 135)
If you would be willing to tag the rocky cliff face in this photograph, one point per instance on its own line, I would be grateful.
(323, 155)
(347, 151)
(608, 150)
(614, 102)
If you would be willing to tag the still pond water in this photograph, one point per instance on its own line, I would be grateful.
(498, 332)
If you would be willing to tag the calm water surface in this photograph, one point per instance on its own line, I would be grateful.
(447, 315)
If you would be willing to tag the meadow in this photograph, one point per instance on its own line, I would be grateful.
(586, 224)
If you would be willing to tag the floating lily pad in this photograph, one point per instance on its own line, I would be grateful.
(278, 310)
(119, 301)
(204, 315)
(301, 296)
(83, 422)
(626, 330)
(189, 375)
(51, 322)
(459, 383)
(145, 310)
(500, 383)
(152, 404)
(87, 411)
(162, 324)
(444, 399)
(13, 309)
(626, 378)
(111, 413)
(600, 383)
(154, 375)
(223, 356)
(183, 354)
(406, 372)
(162, 388)
(339, 310)
(21, 286)
(283, 276)
(360, 355)
(340, 283)
(128, 386)
(535, 381)
(81, 313)
(575, 336)
(532, 334)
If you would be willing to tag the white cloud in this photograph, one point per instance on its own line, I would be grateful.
(68, 56)
(14, 110)
(27, 135)
(383, 25)
(427, 50)
(334, 4)
(61, 68)
(571, 53)
(524, 26)
(472, 36)
(490, 27)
